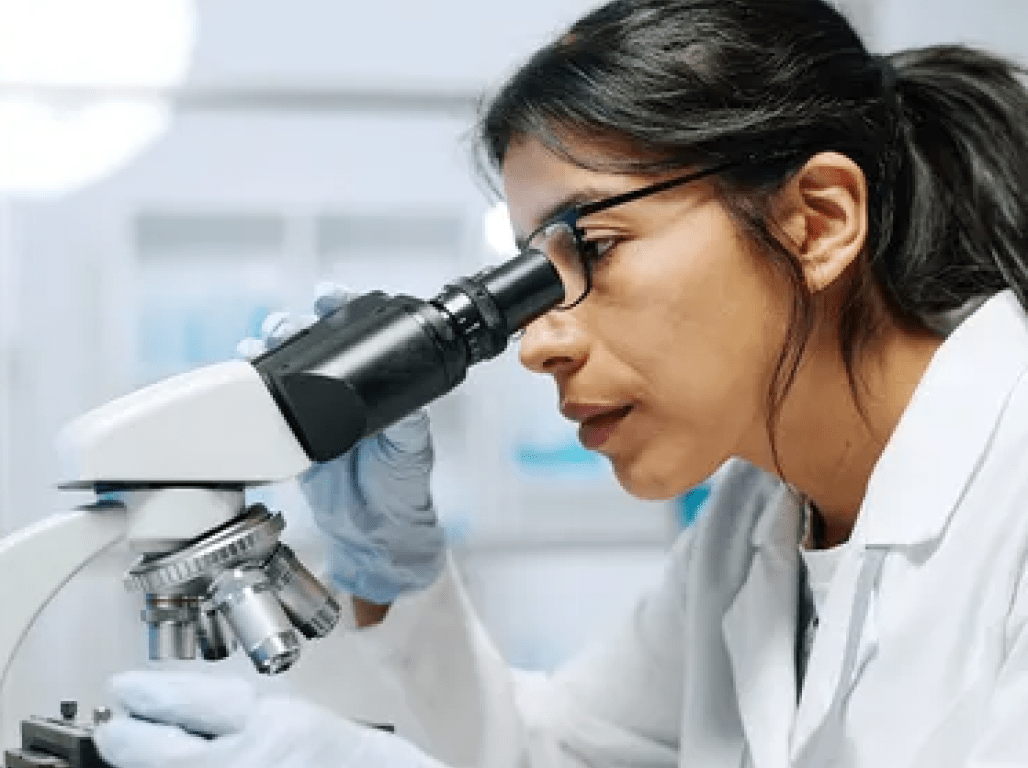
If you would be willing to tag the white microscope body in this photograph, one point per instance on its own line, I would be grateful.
(171, 462)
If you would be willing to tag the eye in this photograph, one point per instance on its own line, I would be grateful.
(596, 248)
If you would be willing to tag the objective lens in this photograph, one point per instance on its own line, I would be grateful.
(306, 602)
(214, 638)
(248, 604)
(171, 626)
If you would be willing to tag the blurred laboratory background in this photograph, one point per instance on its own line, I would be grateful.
(173, 170)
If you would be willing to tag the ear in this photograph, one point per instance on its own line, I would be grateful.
(822, 214)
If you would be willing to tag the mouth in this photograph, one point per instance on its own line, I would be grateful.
(597, 425)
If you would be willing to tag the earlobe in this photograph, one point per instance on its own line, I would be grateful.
(826, 204)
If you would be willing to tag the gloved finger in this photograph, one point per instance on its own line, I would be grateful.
(249, 348)
(276, 328)
(328, 297)
(280, 326)
(204, 704)
(131, 743)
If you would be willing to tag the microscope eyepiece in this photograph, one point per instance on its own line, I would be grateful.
(380, 358)
(490, 306)
(523, 288)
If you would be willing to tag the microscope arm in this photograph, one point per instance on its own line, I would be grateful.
(36, 561)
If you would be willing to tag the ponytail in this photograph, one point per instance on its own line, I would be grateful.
(959, 206)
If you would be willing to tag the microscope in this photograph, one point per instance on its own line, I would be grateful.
(169, 465)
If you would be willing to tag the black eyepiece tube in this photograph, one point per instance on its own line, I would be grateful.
(380, 358)
(523, 288)
(490, 306)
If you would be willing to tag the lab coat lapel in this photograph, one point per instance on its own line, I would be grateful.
(825, 665)
(759, 630)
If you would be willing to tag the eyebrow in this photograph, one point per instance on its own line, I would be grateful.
(561, 206)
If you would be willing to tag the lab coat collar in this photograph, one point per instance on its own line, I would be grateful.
(781, 526)
(937, 445)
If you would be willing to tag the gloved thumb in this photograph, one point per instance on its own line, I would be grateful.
(410, 435)
(202, 704)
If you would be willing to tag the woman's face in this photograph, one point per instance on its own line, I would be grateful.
(668, 361)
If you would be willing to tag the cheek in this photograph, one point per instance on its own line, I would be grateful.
(705, 336)
(712, 313)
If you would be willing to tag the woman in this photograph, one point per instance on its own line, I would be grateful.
(764, 234)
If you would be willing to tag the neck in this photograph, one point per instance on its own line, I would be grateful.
(829, 438)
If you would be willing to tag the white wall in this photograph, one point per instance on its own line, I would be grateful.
(997, 25)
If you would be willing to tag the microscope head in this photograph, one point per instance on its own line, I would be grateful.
(214, 426)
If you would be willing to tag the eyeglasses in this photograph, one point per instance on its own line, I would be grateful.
(563, 242)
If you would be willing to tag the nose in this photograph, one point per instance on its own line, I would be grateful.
(553, 343)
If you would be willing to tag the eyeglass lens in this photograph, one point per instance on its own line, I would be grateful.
(559, 244)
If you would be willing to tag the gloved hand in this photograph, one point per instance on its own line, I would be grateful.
(373, 502)
(192, 720)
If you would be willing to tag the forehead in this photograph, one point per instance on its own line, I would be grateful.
(536, 182)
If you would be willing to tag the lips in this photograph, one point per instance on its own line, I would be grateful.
(597, 423)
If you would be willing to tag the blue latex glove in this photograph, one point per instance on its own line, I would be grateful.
(373, 502)
(168, 709)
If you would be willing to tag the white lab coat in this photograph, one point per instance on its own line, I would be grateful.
(930, 596)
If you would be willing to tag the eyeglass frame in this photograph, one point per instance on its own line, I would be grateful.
(570, 215)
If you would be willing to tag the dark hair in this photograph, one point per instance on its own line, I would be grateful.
(940, 133)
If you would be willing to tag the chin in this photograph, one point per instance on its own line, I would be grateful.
(650, 482)
(649, 486)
